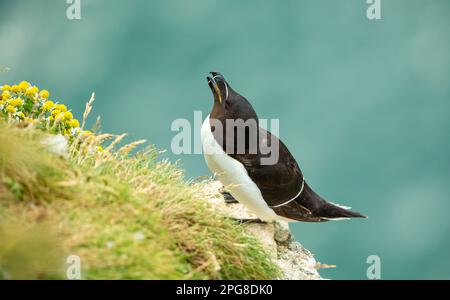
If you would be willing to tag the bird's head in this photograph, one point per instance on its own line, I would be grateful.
(228, 104)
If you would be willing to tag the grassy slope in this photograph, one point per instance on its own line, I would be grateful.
(126, 216)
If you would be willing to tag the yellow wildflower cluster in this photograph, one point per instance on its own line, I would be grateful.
(24, 102)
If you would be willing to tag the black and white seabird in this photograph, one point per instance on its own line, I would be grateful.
(272, 191)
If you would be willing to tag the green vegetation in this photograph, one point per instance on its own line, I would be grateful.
(127, 216)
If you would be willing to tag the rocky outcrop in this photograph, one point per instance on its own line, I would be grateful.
(294, 261)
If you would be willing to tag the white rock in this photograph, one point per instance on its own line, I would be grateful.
(293, 260)
(282, 232)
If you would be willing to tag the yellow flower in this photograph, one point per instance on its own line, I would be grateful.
(16, 102)
(55, 112)
(21, 115)
(44, 94)
(6, 95)
(48, 105)
(74, 123)
(61, 107)
(60, 117)
(24, 85)
(2, 102)
(11, 109)
(15, 89)
(100, 149)
(68, 115)
(6, 87)
(32, 91)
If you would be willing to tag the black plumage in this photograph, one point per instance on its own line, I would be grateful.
(282, 184)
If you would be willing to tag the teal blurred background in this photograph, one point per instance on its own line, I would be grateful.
(363, 105)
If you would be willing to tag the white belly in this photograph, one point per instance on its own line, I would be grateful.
(233, 174)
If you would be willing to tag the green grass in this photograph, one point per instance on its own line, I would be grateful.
(127, 216)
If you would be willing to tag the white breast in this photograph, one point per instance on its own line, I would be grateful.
(234, 175)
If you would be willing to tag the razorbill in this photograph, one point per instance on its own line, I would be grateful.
(273, 191)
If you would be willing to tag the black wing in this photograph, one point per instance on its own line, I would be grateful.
(278, 182)
(282, 181)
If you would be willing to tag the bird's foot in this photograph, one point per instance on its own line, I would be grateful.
(250, 221)
(228, 197)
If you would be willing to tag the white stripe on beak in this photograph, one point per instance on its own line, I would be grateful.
(226, 87)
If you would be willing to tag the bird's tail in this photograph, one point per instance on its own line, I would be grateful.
(331, 211)
(324, 210)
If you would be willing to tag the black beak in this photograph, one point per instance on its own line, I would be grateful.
(214, 89)
(218, 86)
(216, 74)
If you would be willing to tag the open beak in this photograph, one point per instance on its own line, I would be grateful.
(218, 86)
